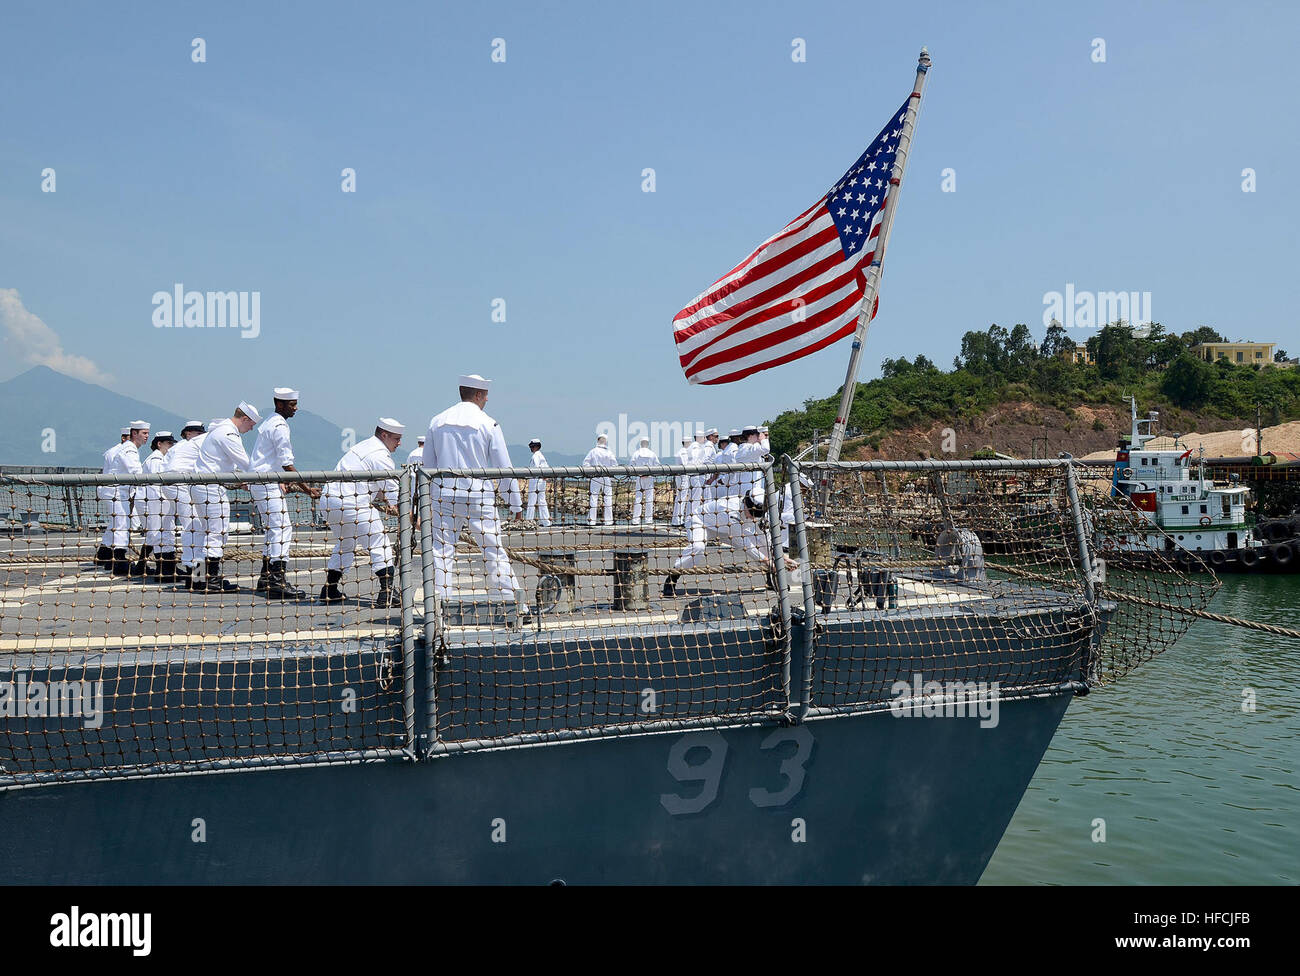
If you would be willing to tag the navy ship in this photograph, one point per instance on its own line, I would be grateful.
(869, 712)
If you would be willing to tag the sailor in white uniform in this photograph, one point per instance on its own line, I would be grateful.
(125, 460)
(750, 452)
(183, 459)
(699, 452)
(273, 451)
(601, 456)
(106, 493)
(415, 459)
(645, 484)
(682, 484)
(537, 486)
(222, 452)
(736, 522)
(463, 436)
(352, 510)
(416, 456)
(763, 440)
(159, 511)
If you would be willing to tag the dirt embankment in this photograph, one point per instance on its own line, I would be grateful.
(1023, 429)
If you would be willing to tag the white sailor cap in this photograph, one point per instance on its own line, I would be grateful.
(125, 431)
(420, 439)
(284, 393)
(250, 411)
(646, 441)
(750, 429)
(700, 435)
(164, 435)
(390, 425)
(475, 382)
(534, 440)
(734, 432)
(139, 425)
(192, 425)
(711, 431)
(762, 430)
(757, 495)
(685, 441)
(602, 439)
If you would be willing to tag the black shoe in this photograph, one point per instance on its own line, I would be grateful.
(185, 577)
(166, 567)
(121, 565)
(141, 565)
(670, 584)
(330, 592)
(262, 577)
(215, 582)
(386, 597)
(278, 586)
(104, 557)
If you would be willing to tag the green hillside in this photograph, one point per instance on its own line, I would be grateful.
(997, 365)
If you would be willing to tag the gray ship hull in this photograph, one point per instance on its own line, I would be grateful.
(848, 799)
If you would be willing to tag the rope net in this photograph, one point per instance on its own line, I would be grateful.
(941, 576)
(167, 622)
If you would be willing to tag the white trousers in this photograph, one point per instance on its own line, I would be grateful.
(644, 487)
(210, 524)
(159, 520)
(681, 497)
(271, 506)
(351, 523)
(709, 527)
(451, 514)
(537, 501)
(602, 486)
(119, 531)
(191, 528)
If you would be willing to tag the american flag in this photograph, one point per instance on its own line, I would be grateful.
(800, 290)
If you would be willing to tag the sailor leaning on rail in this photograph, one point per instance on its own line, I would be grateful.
(352, 511)
(463, 436)
(222, 452)
(735, 521)
(273, 451)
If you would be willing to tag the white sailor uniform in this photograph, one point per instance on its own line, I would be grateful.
(222, 452)
(183, 458)
(723, 520)
(682, 486)
(644, 485)
(159, 510)
(271, 452)
(123, 459)
(348, 507)
(537, 491)
(601, 457)
(465, 437)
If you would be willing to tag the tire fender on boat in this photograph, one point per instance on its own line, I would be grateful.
(1282, 553)
(1217, 558)
(1249, 558)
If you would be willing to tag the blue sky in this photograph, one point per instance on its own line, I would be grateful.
(522, 180)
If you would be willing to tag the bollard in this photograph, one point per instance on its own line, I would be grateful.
(568, 581)
(631, 580)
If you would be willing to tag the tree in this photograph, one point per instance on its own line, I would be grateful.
(1115, 351)
(1020, 352)
(1057, 342)
(1189, 382)
(1280, 356)
(1201, 334)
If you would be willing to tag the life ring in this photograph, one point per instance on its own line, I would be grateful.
(1217, 559)
(1127, 472)
(1282, 553)
(1249, 558)
(1206, 520)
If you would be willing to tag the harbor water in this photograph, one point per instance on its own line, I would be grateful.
(1193, 786)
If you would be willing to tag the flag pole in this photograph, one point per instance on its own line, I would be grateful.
(873, 272)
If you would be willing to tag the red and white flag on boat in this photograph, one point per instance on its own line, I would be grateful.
(801, 289)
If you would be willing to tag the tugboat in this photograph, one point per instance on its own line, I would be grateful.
(1193, 520)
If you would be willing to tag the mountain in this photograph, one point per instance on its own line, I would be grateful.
(42, 408)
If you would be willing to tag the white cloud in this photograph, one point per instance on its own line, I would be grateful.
(29, 340)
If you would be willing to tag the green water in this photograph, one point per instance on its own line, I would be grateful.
(1193, 789)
